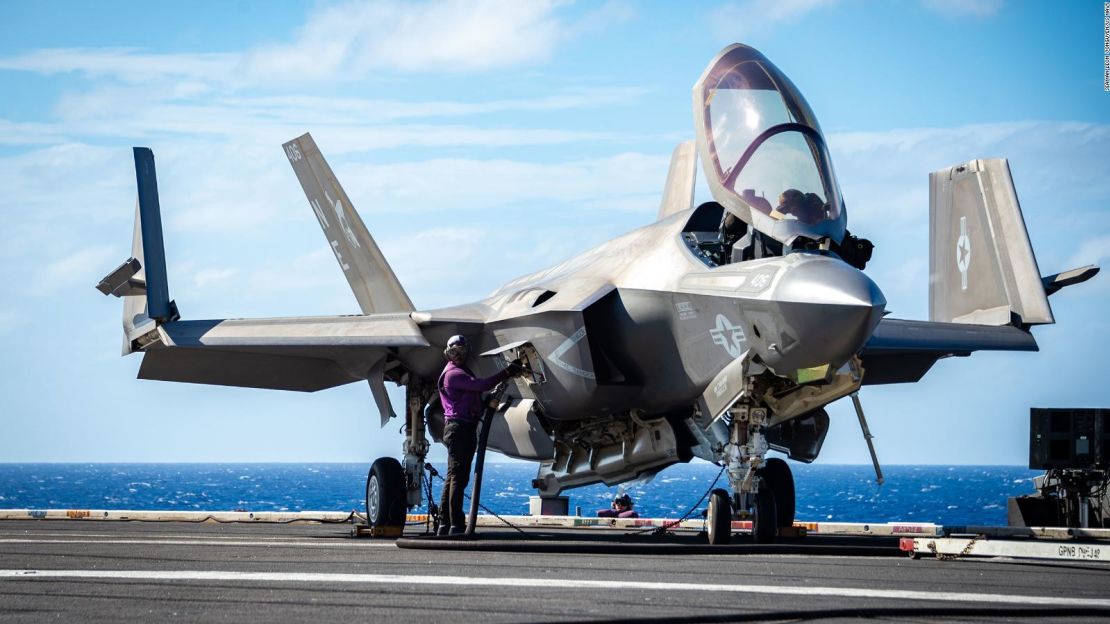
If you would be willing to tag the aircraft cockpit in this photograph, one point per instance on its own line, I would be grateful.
(717, 237)
(763, 153)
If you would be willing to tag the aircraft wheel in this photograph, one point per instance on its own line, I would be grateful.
(764, 522)
(386, 499)
(776, 475)
(718, 518)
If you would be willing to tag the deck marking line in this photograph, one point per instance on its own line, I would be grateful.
(139, 535)
(196, 542)
(551, 583)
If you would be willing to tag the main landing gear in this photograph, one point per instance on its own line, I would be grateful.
(392, 488)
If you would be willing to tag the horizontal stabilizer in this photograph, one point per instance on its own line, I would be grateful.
(122, 281)
(901, 351)
(1053, 283)
(303, 354)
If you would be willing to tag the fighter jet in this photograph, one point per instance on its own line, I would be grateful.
(720, 331)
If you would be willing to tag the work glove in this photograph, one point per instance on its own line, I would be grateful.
(515, 368)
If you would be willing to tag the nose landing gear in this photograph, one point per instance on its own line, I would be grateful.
(764, 488)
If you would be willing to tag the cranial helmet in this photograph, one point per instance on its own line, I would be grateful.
(457, 348)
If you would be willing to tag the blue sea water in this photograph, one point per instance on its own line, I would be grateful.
(941, 494)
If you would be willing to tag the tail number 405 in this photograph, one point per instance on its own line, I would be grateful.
(293, 152)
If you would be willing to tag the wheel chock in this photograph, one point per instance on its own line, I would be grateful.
(381, 532)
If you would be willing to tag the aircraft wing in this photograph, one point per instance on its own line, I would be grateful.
(901, 351)
(304, 354)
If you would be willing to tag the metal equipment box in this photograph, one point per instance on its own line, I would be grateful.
(1069, 438)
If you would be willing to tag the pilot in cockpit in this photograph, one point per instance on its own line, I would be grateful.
(806, 207)
(733, 230)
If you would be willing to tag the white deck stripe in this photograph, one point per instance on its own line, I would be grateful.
(139, 535)
(202, 542)
(550, 583)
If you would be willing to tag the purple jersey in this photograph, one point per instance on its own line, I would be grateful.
(460, 392)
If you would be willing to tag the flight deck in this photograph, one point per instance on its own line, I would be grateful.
(282, 569)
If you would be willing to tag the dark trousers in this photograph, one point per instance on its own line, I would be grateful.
(461, 439)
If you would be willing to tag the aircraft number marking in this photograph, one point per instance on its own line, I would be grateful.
(293, 152)
(337, 207)
(963, 253)
(730, 337)
(320, 216)
(686, 311)
(339, 255)
(760, 281)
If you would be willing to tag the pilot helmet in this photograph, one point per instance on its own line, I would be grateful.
(622, 500)
(457, 348)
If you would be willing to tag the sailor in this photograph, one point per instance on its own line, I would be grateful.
(621, 507)
(460, 393)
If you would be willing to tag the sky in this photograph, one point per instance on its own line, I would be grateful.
(482, 140)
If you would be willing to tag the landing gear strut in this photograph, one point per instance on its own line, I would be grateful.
(392, 487)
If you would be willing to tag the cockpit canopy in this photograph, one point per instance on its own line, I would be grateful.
(762, 151)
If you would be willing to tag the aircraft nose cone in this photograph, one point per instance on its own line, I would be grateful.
(828, 309)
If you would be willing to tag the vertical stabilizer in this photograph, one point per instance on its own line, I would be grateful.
(981, 266)
(158, 304)
(678, 194)
(141, 280)
(136, 321)
(371, 278)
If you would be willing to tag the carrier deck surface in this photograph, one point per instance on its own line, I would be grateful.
(88, 570)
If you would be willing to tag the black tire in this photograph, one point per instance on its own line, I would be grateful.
(386, 499)
(776, 475)
(718, 517)
(764, 524)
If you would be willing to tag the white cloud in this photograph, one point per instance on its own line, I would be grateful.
(453, 35)
(885, 161)
(349, 41)
(1092, 251)
(743, 19)
(357, 124)
(355, 111)
(24, 133)
(961, 8)
(466, 184)
(79, 269)
(9, 321)
(884, 180)
(127, 64)
(205, 277)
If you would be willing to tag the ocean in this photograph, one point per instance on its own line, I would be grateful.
(972, 495)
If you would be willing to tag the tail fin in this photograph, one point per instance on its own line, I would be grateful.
(375, 285)
(982, 268)
(141, 280)
(678, 194)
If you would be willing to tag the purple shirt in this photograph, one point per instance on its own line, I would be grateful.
(460, 392)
